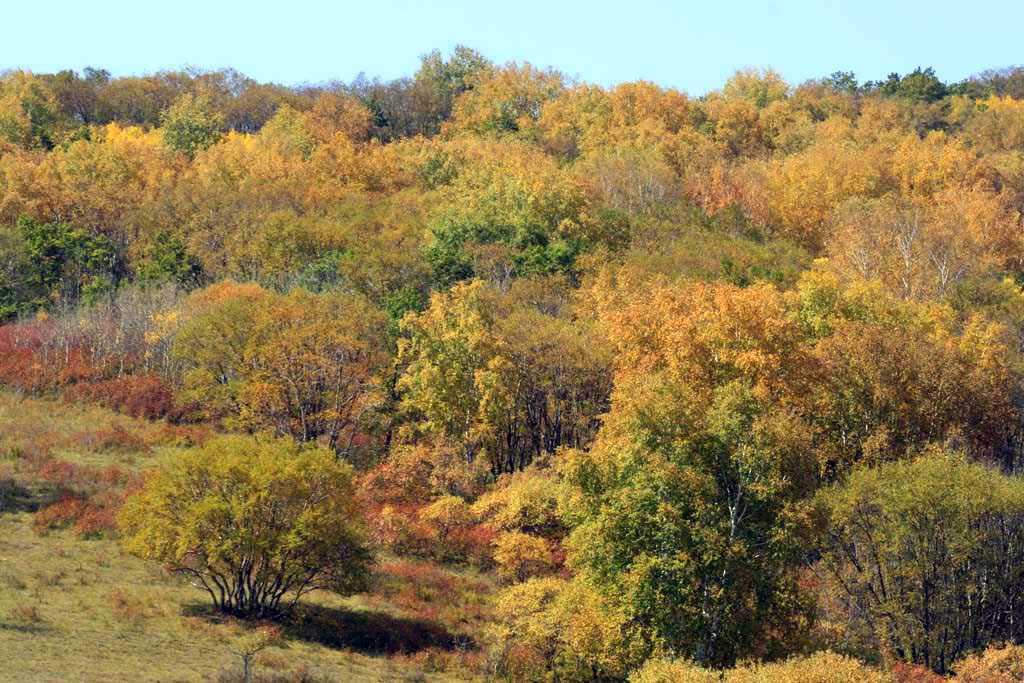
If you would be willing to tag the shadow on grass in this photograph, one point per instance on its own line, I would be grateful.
(367, 632)
(26, 629)
(16, 498)
(371, 633)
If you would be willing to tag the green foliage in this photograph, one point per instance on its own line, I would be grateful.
(322, 274)
(190, 124)
(440, 81)
(67, 262)
(169, 261)
(920, 85)
(687, 523)
(256, 523)
(927, 551)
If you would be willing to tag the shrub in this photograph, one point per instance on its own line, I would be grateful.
(673, 671)
(915, 673)
(146, 396)
(59, 515)
(257, 523)
(91, 518)
(520, 556)
(1002, 664)
(821, 667)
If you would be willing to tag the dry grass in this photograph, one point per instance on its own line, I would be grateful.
(82, 610)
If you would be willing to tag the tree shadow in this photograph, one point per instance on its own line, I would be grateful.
(17, 498)
(25, 628)
(366, 632)
(371, 633)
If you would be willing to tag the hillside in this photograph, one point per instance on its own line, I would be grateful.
(489, 373)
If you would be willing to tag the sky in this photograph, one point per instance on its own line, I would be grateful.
(693, 46)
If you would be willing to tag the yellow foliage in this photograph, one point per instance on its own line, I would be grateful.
(822, 667)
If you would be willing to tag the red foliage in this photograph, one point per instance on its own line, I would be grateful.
(63, 474)
(145, 396)
(59, 472)
(39, 357)
(428, 592)
(91, 518)
(475, 543)
(915, 673)
(397, 483)
(96, 522)
(29, 360)
(65, 512)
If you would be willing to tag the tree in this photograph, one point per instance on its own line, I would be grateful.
(685, 512)
(76, 95)
(190, 124)
(894, 376)
(255, 523)
(920, 85)
(760, 87)
(927, 554)
(169, 261)
(505, 100)
(501, 379)
(67, 262)
(438, 82)
(299, 364)
(28, 111)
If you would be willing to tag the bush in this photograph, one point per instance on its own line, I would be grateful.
(520, 556)
(90, 518)
(145, 396)
(1004, 664)
(821, 667)
(257, 523)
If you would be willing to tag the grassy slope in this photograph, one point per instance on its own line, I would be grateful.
(82, 610)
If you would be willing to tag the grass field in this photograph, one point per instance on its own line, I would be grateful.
(77, 609)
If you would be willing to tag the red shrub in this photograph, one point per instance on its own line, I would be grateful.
(62, 514)
(96, 522)
(59, 472)
(145, 396)
(91, 518)
(915, 673)
(476, 544)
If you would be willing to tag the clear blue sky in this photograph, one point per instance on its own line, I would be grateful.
(690, 45)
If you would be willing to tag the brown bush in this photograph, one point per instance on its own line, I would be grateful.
(146, 396)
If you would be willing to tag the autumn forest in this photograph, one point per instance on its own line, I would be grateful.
(491, 374)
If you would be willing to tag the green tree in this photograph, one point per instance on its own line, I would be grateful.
(169, 261)
(928, 553)
(191, 124)
(67, 262)
(255, 523)
(438, 82)
(687, 511)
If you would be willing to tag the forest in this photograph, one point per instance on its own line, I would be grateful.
(492, 374)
